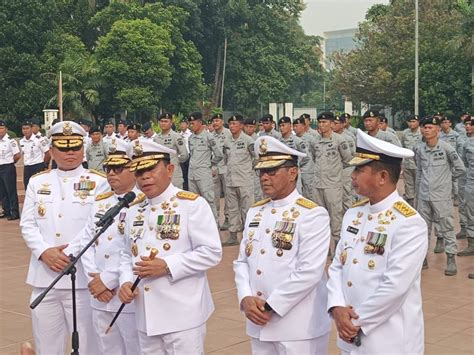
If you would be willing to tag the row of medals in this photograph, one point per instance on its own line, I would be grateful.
(280, 240)
(369, 248)
(168, 230)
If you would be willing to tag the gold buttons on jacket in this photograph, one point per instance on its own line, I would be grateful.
(60, 215)
(267, 230)
(355, 261)
(349, 284)
(262, 251)
(58, 235)
(259, 293)
(146, 288)
(166, 246)
(109, 237)
(106, 256)
(259, 272)
(371, 264)
(273, 211)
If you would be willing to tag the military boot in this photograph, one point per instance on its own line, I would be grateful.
(425, 264)
(451, 268)
(232, 240)
(469, 249)
(471, 275)
(439, 248)
(225, 225)
(462, 234)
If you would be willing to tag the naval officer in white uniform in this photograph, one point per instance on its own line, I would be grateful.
(102, 260)
(174, 301)
(56, 209)
(279, 272)
(374, 279)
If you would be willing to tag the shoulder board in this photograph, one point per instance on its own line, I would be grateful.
(261, 202)
(97, 172)
(104, 195)
(187, 195)
(139, 199)
(360, 203)
(306, 203)
(41, 172)
(404, 208)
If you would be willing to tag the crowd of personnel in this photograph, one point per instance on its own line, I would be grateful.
(296, 193)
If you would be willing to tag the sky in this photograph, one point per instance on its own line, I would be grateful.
(329, 15)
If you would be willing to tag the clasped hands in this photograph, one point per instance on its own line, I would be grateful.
(343, 318)
(254, 309)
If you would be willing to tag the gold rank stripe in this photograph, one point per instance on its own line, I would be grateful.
(360, 203)
(187, 195)
(140, 198)
(41, 172)
(261, 202)
(306, 203)
(404, 208)
(104, 195)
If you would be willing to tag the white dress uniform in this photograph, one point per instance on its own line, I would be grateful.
(103, 257)
(281, 260)
(171, 311)
(55, 211)
(377, 268)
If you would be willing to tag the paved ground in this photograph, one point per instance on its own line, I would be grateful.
(448, 303)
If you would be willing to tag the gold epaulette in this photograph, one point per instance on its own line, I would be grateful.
(97, 172)
(41, 172)
(404, 208)
(360, 203)
(261, 202)
(187, 195)
(139, 199)
(104, 195)
(306, 203)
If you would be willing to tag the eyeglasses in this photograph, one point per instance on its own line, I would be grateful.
(67, 149)
(269, 172)
(117, 169)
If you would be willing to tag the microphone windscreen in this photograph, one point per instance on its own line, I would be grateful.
(129, 196)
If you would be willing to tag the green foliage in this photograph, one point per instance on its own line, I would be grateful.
(381, 70)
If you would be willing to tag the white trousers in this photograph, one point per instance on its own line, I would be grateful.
(190, 341)
(315, 346)
(122, 339)
(52, 322)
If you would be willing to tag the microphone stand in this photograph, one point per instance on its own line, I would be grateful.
(70, 269)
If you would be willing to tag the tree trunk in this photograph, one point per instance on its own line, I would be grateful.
(217, 77)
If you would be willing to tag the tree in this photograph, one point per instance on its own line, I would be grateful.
(381, 69)
(134, 58)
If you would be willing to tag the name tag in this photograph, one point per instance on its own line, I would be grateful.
(352, 230)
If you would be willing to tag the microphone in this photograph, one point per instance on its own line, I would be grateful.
(113, 211)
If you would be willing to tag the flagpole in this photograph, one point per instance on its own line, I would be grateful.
(60, 96)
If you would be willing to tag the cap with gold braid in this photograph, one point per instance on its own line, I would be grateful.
(118, 153)
(67, 134)
(146, 154)
(272, 153)
(372, 149)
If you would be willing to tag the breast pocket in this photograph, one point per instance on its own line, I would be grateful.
(82, 208)
(252, 242)
(373, 263)
(284, 242)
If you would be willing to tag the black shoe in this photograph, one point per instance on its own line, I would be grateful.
(13, 217)
(4, 215)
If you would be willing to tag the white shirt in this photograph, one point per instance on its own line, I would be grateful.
(33, 150)
(56, 209)
(186, 134)
(290, 279)
(383, 287)
(8, 148)
(183, 300)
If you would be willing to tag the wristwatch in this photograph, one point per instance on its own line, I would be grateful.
(168, 271)
(267, 307)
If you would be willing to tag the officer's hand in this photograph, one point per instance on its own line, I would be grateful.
(105, 296)
(125, 294)
(96, 286)
(55, 258)
(342, 317)
(150, 268)
(255, 311)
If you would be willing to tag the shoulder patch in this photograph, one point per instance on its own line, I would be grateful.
(41, 172)
(261, 202)
(404, 208)
(139, 199)
(97, 172)
(187, 195)
(104, 195)
(306, 203)
(360, 203)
